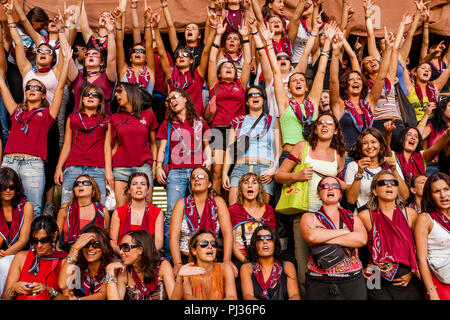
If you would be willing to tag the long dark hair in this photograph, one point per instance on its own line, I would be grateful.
(439, 120)
(6, 176)
(210, 178)
(99, 91)
(134, 97)
(105, 244)
(150, 259)
(252, 252)
(191, 112)
(356, 150)
(184, 49)
(96, 194)
(428, 204)
(343, 85)
(402, 137)
(338, 140)
(46, 223)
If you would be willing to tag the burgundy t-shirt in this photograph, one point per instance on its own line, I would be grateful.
(32, 137)
(192, 85)
(88, 140)
(160, 78)
(102, 82)
(230, 101)
(186, 143)
(133, 135)
(234, 19)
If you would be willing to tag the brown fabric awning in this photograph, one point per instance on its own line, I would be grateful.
(388, 12)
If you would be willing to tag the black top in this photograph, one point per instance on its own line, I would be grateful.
(279, 292)
(348, 129)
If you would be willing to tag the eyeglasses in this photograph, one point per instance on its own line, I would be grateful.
(34, 87)
(83, 182)
(92, 54)
(175, 96)
(11, 187)
(254, 95)
(92, 94)
(126, 247)
(326, 122)
(327, 186)
(138, 51)
(262, 237)
(95, 245)
(35, 241)
(184, 54)
(46, 51)
(199, 176)
(283, 57)
(384, 182)
(205, 243)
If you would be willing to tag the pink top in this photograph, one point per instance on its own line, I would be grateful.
(230, 101)
(133, 135)
(434, 136)
(29, 136)
(186, 143)
(88, 140)
(192, 85)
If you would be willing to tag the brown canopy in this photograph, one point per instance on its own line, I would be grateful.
(387, 12)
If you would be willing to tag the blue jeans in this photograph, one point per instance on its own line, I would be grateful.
(32, 173)
(177, 184)
(71, 174)
(4, 116)
(257, 168)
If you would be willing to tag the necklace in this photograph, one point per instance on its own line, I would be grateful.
(86, 205)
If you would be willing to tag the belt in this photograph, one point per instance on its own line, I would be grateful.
(22, 158)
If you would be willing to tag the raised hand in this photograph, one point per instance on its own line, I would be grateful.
(155, 20)
(214, 20)
(190, 270)
(368, 7)
(389, 126)
(358, 45)
(331, 30)
(8, 7)
(244, 30)
(337, 43)
(425, 14)
(118, 13)
(219, 5)
(265, 32)
(421, 5)
(67, 51)
(390, 162)
(407, 19)
(221, 28)
(389, 38)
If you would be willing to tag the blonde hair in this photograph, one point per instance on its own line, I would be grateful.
(261, 191)
(373, 204)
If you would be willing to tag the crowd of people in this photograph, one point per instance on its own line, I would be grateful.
(298, 161)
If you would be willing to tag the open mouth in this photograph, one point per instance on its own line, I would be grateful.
(389, 191)
(283, 63)
(209, 253)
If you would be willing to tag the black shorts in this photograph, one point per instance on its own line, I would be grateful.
(219, 138)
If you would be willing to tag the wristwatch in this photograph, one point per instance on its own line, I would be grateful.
(358, 178)
(53, 293)
(70, 260)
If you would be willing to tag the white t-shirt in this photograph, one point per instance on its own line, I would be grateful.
(366, 180)
(299, 44)
(272, 105)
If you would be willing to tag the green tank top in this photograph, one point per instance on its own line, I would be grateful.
(291, 128)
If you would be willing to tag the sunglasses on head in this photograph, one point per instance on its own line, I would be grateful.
(94, 244)
(11, 187)
(262, 237)
(175, 96)
(126, 247)
(384, 182)
(283, 57)
(327, 186)
(46, 51)
(34, 241)
(138, 51)
(82, 182)
(92, 54)
(92, 94)
(34, 87)
(199, 176)
(205, 243)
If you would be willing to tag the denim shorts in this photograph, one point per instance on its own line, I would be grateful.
(123, 173)
(255, 167)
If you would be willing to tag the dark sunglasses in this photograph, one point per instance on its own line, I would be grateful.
(175, 96)
(34, 87)
(92, 94)
(126, 247)
(138, 51)
(254, 95)
(283, 57)
(384, 182)
(327, 186)
(205, 243)
(46, 51)
(11, 187)
(262, 237)
(95, 245)
(83, 182)
(35, 241)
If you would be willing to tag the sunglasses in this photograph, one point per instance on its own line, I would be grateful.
(34, 87)
(184, 54)
(83, 182)
(199, 176)
(327, 186)
(326, 122)
(46, 51)
(138, 51)
(92, 54)
(254, 95)
(92, 94)
(205, 243)
(11, 187)
(262, 237)
(175, 96)
(35, 241)
(126, 247)
(384, 182)
(283, 57)
(95, 245)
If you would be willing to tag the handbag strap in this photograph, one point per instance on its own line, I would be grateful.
(167, 150)
(305, 151)
(244, 240)
(254, 124)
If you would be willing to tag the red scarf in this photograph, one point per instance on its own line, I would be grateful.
(12, 235)
(309, 110)
(23, 116)
(35, 264)
(387, 85)
(441, 219)
(237, 61)
(41, 70)
(91, 285)
(73, 221)
(430, 91)
(143, 79)
(103, 46)
(179, 80)
(413, 166)
(239, 216)
(345, 215)
(392, 243)
(277, 271)
(145, 224)
(358, 121)
(207, 221)
(239, 121)
(145, 288)
(283, 45)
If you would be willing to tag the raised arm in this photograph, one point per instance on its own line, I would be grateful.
(303, 62)
(351, 54)
(111, 58)
(406, 47)
(245, 75)
(371, 41)
(66, 51)
(336, 103)
(120, 52)
(135, 22)
(148, 36)
(3, 63)
(171, 26)
(294, 23)
(212, 68)
(263, 59)
(85, 29)
(34, 35)
(392, 71)
(165, 64)
(431, 152)
(442, 79)
(425, 34)
(258, 13)
(347, 14)
(203, 66)
(8, 100)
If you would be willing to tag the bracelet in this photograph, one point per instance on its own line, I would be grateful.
(358, 178)
(421, 124)
(256, 32)
(164, 5)
(325, 54)
(12, 25)
(212, 9)
(261, 48)
(246, 41)
(53, 293)
(216, 46)
(61, 31)
(133, 7)
(226, 171)
(431, 289)
(110, 278)
(253, 58)
(11, 294)
(157, 167)
(120, 29)
(312, 34)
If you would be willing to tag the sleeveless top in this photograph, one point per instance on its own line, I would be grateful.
(217, 285)
(279, 292)
(348, 129)
(291, 128)
(387, 107)
(327, 168)
(133, 292)
(49, 80)
(438, 244)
